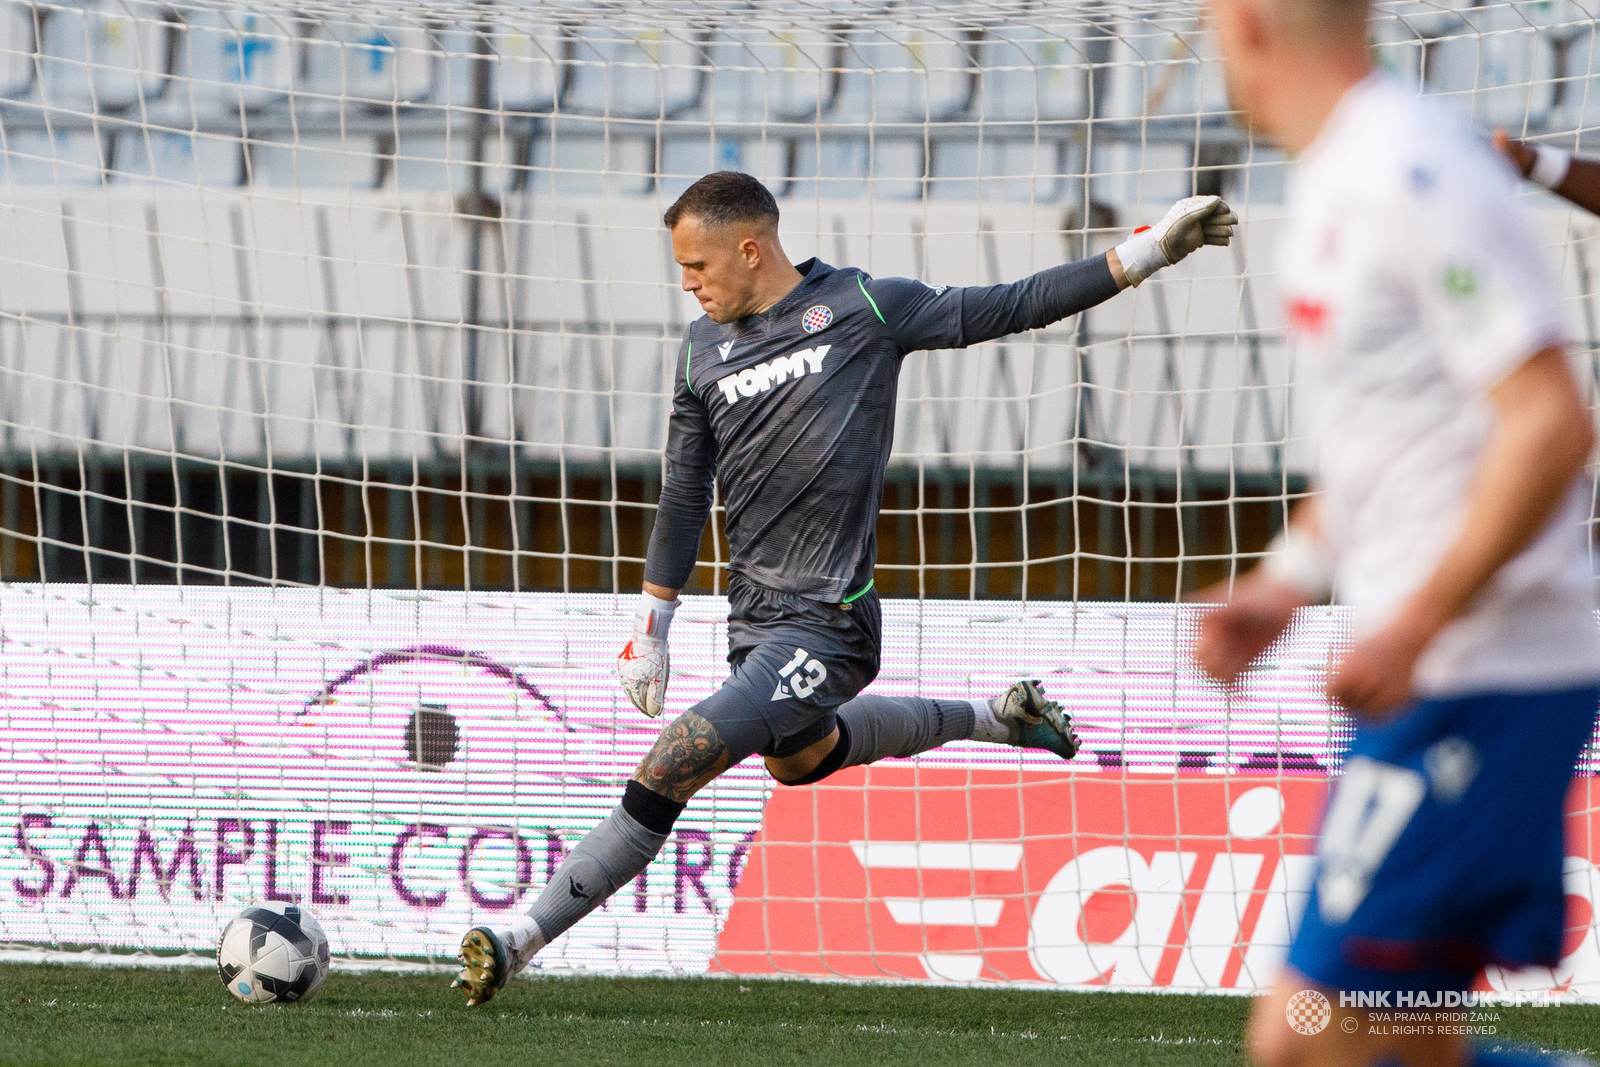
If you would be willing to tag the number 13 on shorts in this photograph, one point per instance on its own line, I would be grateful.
(803, 674)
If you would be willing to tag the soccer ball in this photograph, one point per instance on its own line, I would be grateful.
(273, 953)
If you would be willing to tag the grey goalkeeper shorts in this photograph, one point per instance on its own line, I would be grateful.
(794, 662)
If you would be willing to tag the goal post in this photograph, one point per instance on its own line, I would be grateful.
(336, 352)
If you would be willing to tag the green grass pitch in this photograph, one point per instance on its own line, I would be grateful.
(121, 1016)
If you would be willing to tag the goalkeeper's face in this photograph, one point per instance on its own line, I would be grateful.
(721, 265)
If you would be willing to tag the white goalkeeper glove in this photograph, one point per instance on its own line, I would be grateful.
(643, 665)
(1192, 222)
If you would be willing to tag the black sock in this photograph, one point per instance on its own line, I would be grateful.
(650, 809)
(831, 762)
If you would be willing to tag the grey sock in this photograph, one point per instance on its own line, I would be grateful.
(608, 858)
(902, 726)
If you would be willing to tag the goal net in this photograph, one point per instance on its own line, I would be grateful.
(336, 347)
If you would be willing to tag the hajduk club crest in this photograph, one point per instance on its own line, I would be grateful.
(816, 318)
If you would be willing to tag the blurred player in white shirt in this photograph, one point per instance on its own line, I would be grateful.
(1450, 439)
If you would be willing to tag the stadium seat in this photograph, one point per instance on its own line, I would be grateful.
(590, 165)
(239, 59)
(102, 55)
(996, 170)
(682, 161)
(897, 169)
(955, 166)
(633, 72)
(17, 71)
(1508, 62)
(844, 170)
(37, 158)
(528, 64)
(923, 74)
(450, 68)
(775, 77)
(1177, 83)
(352, 65)
(169, 158)
(1030, 74)
(316, 161)
(429, 162)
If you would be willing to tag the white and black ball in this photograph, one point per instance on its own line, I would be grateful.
(273, 953)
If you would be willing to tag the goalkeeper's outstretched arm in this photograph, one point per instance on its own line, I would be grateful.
(929, 317)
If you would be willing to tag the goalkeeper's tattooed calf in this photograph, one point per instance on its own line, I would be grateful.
(687, 755)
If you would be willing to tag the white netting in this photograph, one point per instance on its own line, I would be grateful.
(364, 313)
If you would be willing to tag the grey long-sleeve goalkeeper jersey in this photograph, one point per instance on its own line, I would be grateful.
(793, 409)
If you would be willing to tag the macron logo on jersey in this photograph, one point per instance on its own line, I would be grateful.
(763, 376)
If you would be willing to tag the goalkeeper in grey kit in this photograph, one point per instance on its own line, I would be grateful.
(785, 391)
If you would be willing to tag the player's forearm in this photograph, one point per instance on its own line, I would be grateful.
(681, 515)
(1577, 180)
(1036, 301)
(1306, 518)
(1114, 265)
(1540, 442)
(1582, 185)
(1299, 557)
(1255, 612)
